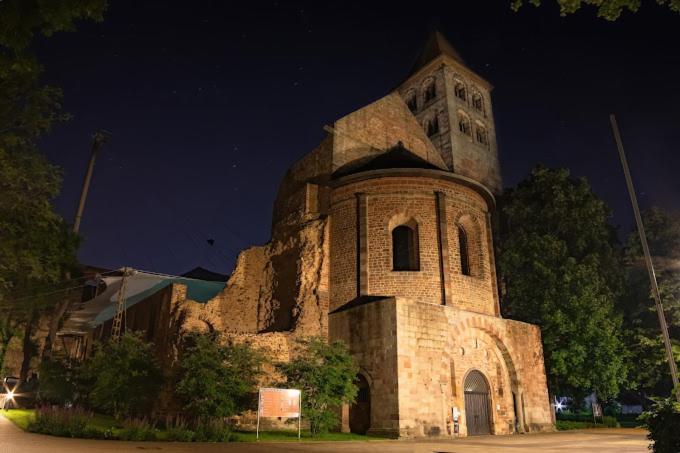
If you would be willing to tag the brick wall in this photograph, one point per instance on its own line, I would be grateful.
(391, 201)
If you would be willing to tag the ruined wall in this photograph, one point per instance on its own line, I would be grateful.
(279, 287)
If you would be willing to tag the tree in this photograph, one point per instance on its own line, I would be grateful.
(217, 380)
(36, 248)
(59, 382)
(124, 377)
(641, 325)
(560, 270)
(607, 9)
(325, 373)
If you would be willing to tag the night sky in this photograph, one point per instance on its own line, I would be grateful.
(209, 103)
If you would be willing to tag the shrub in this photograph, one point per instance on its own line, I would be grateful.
(213, 431)
(565, 425)
(663, 423)
(325, 373)
(216, 379)
(610, 422)
(137, 429)
(58, 382)
(125, 377)
(176, 434)
(62, 422)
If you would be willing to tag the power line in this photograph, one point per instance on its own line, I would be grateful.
(48, 285)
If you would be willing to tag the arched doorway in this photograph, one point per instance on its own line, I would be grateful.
(360, 411)
(477, 404)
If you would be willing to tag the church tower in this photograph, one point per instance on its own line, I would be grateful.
(453, 105)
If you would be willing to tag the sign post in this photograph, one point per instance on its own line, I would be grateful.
(285, 403)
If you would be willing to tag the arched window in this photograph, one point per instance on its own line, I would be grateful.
(478, 102)
(430, 91)
(460, 91)
(481, 135)
(405, 249)
(464, 124)
(464, 251)
(412, 101)
(432, 126)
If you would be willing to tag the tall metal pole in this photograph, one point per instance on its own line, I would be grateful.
(648, 257)
(100, 137)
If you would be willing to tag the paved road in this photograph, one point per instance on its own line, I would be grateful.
(13, 440)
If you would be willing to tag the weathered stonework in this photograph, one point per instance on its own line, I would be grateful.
(416, 355)
(420, 314)
(423, 157)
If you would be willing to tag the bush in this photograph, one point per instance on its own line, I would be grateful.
(663, 423)
(325, 373)
(565, 425)
(216, 379)
(587, 418)
(175, 434)
(124, 376)
(137, 429)
(210, 431)
(58, 382)
(610, 422)
(213, 431)
(62, 422)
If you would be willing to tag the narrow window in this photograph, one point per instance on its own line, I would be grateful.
(432, 127)
(459, 90)
(430, 92)
(405, 249)
(464, 255)
(412, 101)
(464, 124)
(481, 135)
(477, 102)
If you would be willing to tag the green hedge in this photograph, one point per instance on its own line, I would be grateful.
(663, 423)
(607, 421)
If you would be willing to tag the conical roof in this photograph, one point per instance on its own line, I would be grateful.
(435, 46)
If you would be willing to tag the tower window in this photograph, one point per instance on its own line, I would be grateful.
(478, 102)
(481, 135)
(412, 101)
(460, 91)
(430, 92)
(432, 127)
(464, 124)
(405, 249)
(464, 252)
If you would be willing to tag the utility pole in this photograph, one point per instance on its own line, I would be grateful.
(116, 328)
(648, 257)
(98, 139)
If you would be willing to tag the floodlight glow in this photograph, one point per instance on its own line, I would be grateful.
(560, 404)
(10, 395)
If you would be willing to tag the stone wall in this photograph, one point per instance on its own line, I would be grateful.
(436, 347)
(370, 333)
(391, 201)
(461, 152)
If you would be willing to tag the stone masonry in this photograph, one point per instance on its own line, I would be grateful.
(421, 161)
(382, 238)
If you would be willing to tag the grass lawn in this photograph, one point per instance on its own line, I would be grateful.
(20, 417)
(23, 417)
(292, 436)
